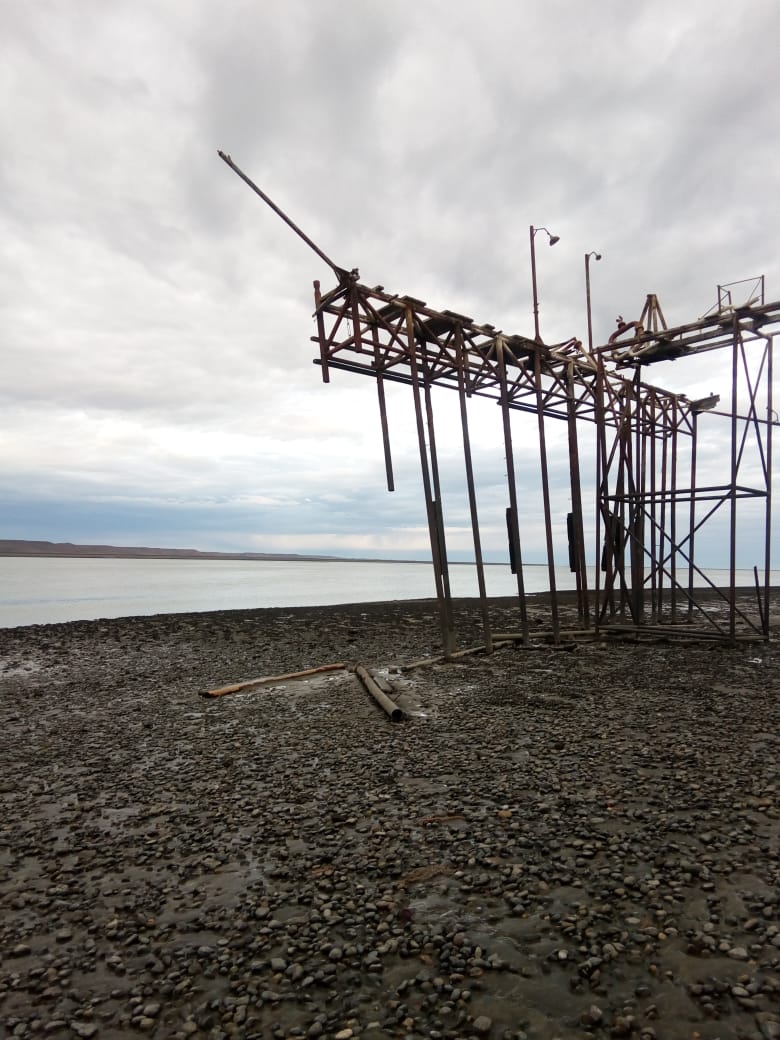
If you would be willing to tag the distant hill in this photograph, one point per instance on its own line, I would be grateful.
(19, 547)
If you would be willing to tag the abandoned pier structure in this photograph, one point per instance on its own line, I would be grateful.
(651, 506)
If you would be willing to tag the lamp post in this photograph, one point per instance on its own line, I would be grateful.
(587, 296)
(553, 239)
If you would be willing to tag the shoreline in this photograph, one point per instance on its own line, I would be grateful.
(567, 601)
(558, 842)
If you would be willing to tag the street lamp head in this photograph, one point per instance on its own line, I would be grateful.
(594, 254)
(553, 238)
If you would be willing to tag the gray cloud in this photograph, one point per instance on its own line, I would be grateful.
(156, 316)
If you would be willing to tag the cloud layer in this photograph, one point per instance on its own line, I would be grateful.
(156, 316)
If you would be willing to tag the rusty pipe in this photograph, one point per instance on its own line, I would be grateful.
(391, 709)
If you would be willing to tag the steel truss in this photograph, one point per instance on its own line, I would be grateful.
(650, 509)
(649, 506)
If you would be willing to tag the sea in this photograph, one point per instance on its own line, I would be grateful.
(44, 590)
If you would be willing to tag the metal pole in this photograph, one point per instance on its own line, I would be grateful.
(546, 496)
(340, 273)
(587, 302)
(768, 521)
(380, 390)
(321, 332)
(608, 512)
(438, 512)
(640, 490)
(653, 419)
(673, 516)
(624, 450)
(433, 532)
(461, 359)
(692, 511)
(581, 572)
(733, 488)
(587, 297)
(663, 524)
(532, 234)
(514, 526)
(600, 434)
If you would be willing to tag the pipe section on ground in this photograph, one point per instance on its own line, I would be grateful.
(391, 709)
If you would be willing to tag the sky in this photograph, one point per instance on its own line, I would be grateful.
(156, 317)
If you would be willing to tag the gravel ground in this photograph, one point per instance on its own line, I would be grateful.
(558, 842)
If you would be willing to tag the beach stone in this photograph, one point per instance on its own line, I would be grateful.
(482, 1025)
(365, 872)
(592, 1017)
(84, 1029)
(768, 1024)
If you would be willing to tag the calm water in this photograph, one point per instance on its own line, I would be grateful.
(41, 591)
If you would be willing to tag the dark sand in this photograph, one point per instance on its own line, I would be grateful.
(559, 842)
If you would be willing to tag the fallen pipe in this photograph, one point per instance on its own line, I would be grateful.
(371, 686)
(251, 683)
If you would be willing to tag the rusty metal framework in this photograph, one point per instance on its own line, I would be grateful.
(650, 503)
(650, 508)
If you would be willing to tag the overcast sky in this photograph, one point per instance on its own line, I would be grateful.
(155, 317)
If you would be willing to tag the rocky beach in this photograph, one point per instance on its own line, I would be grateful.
(558, 841)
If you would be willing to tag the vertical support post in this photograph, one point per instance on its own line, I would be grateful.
(461, 357)
(621, 489)
(601, 452)
(673, 511)
(380, 390)
(357, 325)
(321, 332)
(513, 522)
(637, 514)
(546, 496)
(439, 514)
(663, 524)
(653, 424)
(768, 517)
(581, 570)
(732, 597)
(692, 510)
(430, 506)
(643, 451)
(605, 559)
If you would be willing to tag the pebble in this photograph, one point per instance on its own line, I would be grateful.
(271, 858)
(83, 1029)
